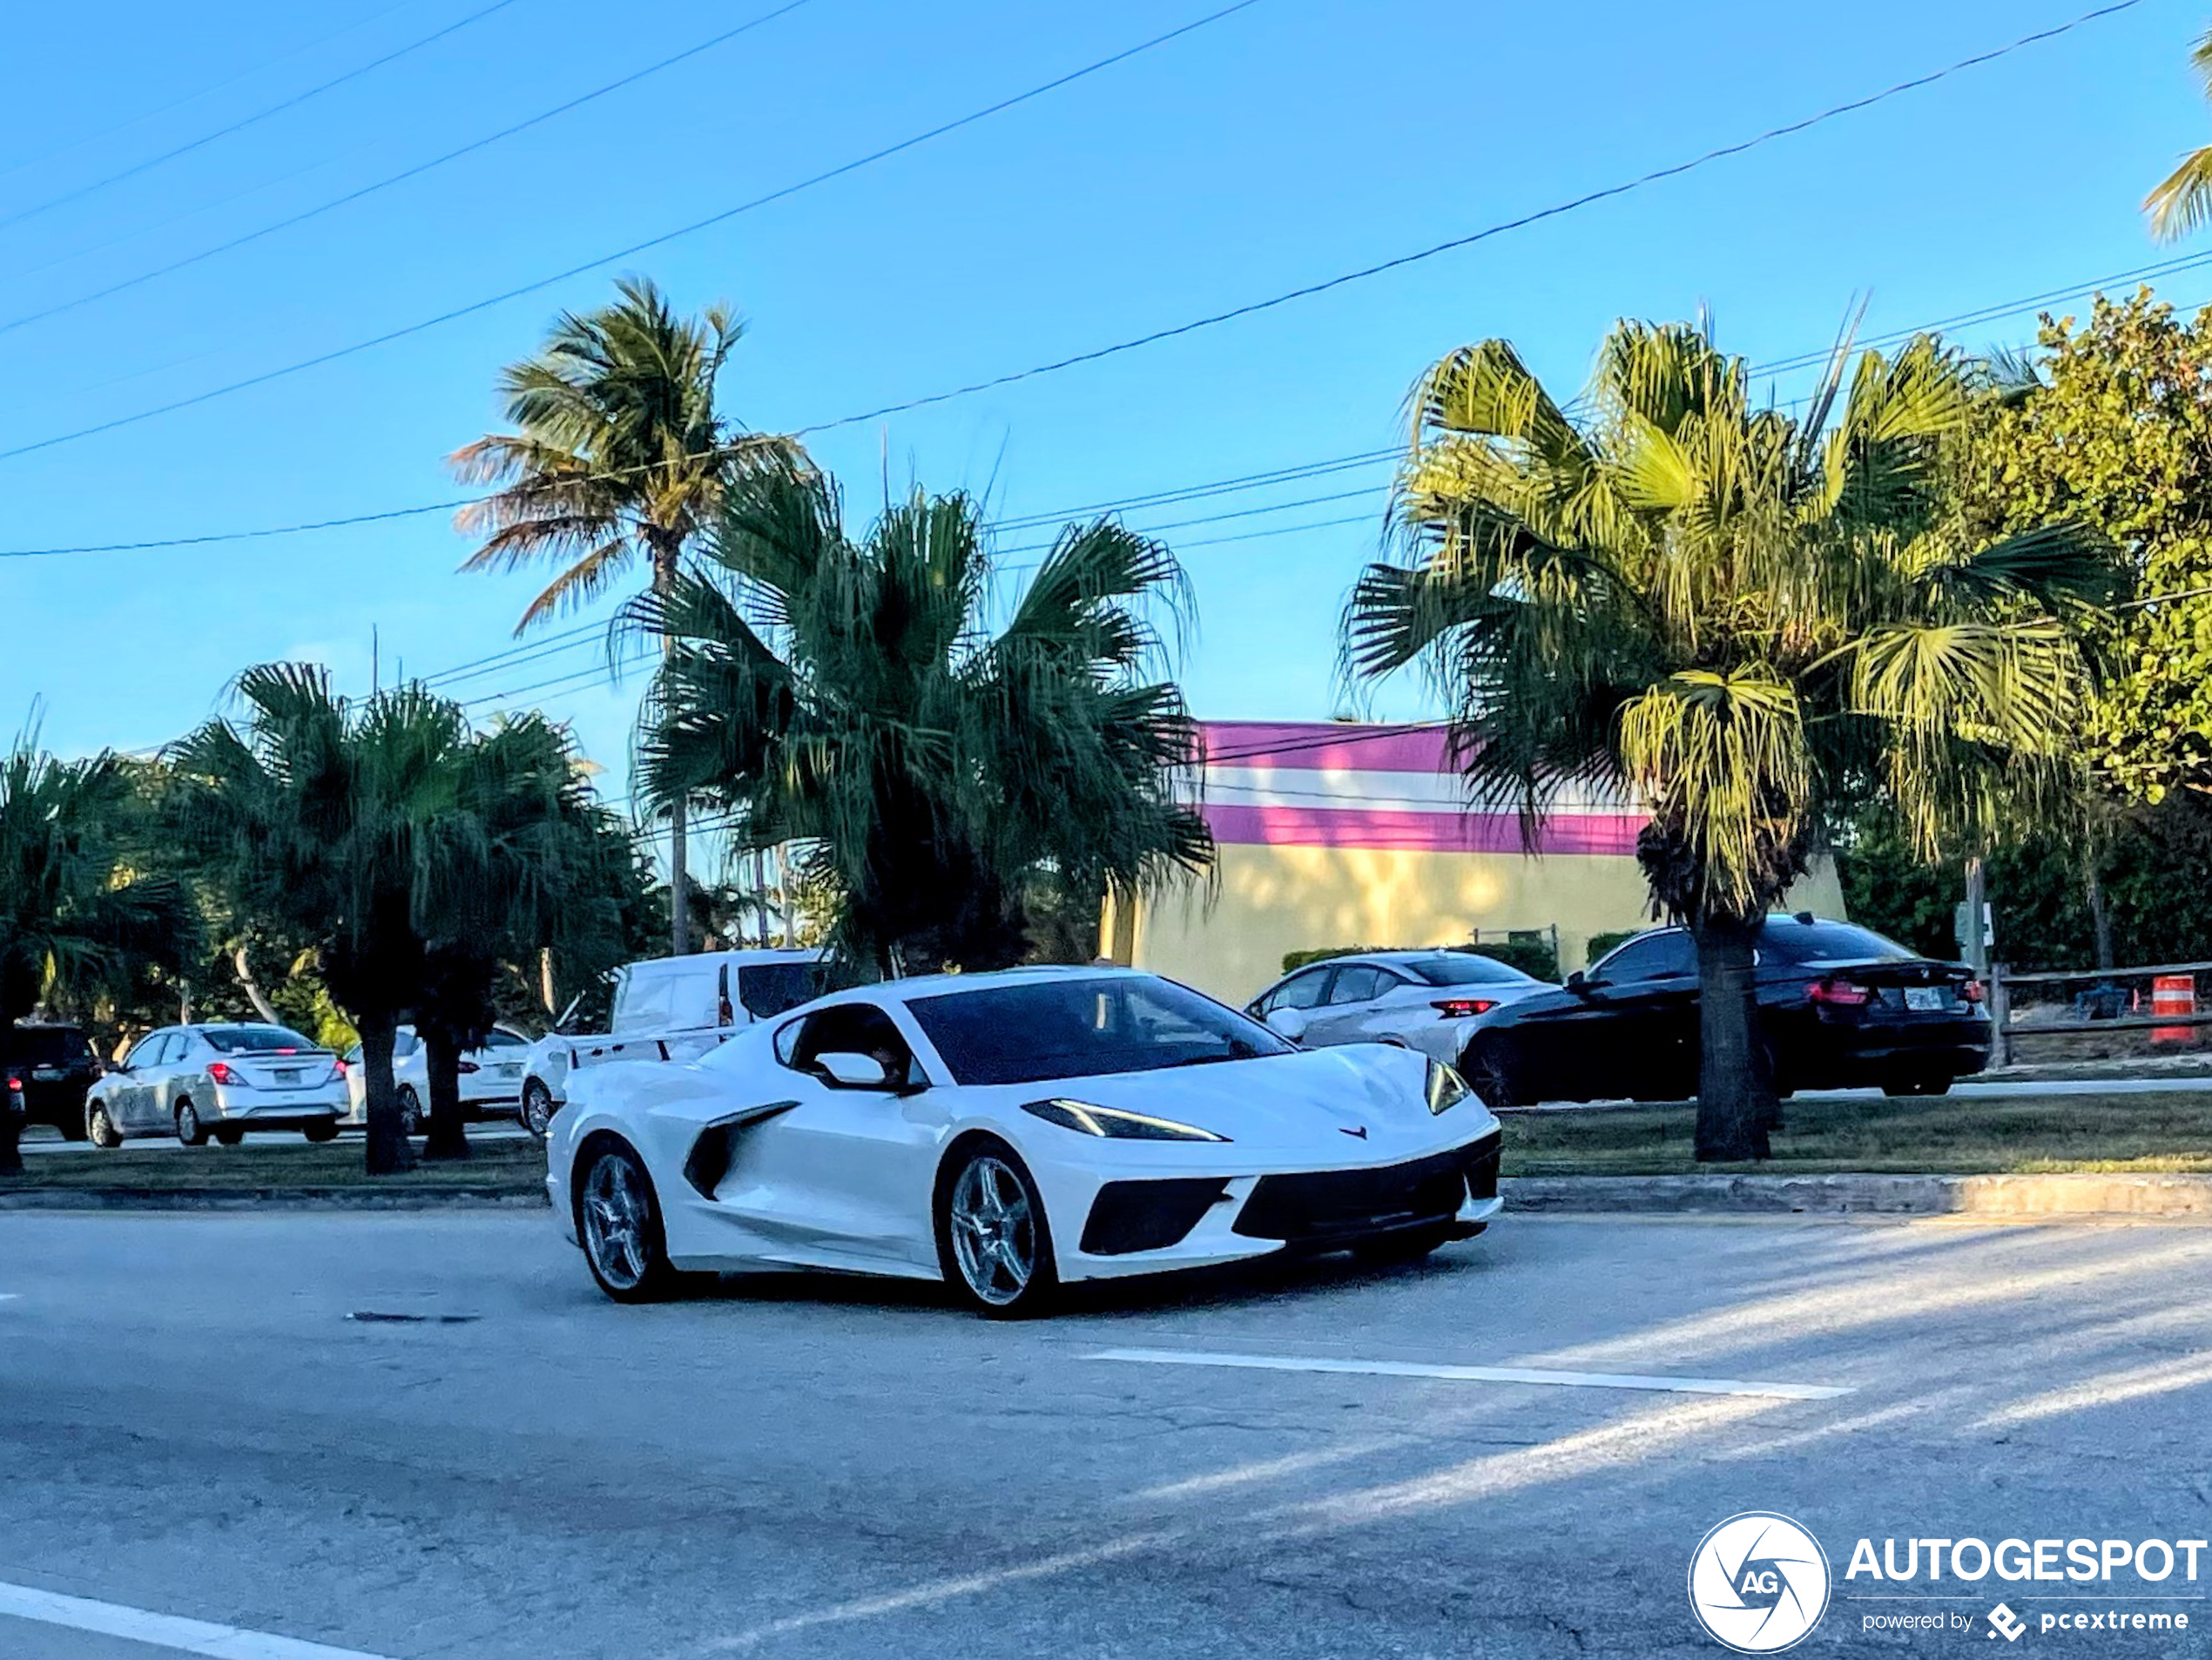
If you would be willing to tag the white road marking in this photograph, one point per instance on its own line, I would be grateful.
(1472, 1374)
(162, 1631)
(9, 1296)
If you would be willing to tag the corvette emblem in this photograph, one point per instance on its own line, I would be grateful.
(1346, 1129)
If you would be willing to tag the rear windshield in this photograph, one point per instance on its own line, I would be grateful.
(1793, 942)
(503, 1040)
(767, 989)
(1461, 969)
(49, 1045)
(255, 1040)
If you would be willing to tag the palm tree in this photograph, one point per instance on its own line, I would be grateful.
(1739, 617)
(78, 917)
(342, 825)
(618, 454)
(2183, 199)
(846, 696)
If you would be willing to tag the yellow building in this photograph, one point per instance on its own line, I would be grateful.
(1347, 835)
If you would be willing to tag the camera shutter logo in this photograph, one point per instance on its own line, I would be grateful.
(1758, 1582)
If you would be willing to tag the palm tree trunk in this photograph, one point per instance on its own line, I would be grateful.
(1736, 1098)
(449, 1138)
(387, 1152)
(679, 886)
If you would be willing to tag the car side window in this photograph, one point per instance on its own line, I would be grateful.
(1359, 983)
(1656, 956)
(848, 1029)
(404, 1045)
(143, 1052)
(1299, 991)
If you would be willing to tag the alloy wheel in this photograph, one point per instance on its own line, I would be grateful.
(537, 1109)
(993, 1230)
(616, 1211)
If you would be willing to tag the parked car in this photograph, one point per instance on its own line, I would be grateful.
(1428, 1001)
(491, 1078)
(194, 1082)
(1005, 1133)
(49, 1068)
(1838, 1005)
(670, 1009)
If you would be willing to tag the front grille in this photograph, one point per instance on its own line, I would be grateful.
(1147, 1215)
(1323, 1206)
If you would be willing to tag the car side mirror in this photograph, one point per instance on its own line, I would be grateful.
(1578, 981)
(847, 1071)
(1287, 1023)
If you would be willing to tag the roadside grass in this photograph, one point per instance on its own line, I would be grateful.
(2030, 1135)
(283, 1165)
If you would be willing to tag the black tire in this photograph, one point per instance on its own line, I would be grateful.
(190, 1131)
(535, 1111)
(320, 1132)
(1489, 1068)
(228, 1135)
(73, 1129)
(1019, 1283)
(624, 1245)
(1410, 1246)
(100, 1128)
(410, 1111)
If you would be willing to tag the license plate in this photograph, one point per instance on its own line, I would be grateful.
(1925, 997)
(287, 1075)
(46, 1074)
(510, 1070)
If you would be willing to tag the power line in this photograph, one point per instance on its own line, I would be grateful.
(239, 125)
(823, 177)
(416, 171)
(145, 116)
(1364, 273)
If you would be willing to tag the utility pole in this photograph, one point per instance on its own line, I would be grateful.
(1973, 918)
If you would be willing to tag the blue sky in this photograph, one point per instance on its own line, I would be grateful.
(1296, 139)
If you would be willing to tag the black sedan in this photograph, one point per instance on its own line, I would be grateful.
(1838, 1006)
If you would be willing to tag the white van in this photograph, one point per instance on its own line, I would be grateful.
(671, 1009)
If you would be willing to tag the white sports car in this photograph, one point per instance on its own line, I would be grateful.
(1009, 1133)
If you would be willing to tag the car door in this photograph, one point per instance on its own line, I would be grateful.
(1587, 1042)
(179, 1072)
(701, 1009)
(1352, 996)
(1651, 1008)
(846, 1171)
(129, 1100)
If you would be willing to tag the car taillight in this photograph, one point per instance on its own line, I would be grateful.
(1461, 1007)
(226, 1074)
(339, 1067)
(15, 1084)
(1839, 993)
(1972, 991)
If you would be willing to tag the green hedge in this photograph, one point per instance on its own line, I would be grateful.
(1534, 957)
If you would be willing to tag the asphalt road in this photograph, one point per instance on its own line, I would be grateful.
(196, 1428)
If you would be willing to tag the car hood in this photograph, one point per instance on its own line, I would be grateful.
(1314, 1100)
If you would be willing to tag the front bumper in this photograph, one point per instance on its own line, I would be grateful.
(1138, 1224)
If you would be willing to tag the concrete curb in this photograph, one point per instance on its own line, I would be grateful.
(270, 1198)
(2165, 1196)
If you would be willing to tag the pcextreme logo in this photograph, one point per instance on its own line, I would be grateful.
(1758, 1582)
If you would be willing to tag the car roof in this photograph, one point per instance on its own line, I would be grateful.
(937, 985)
(751, 957)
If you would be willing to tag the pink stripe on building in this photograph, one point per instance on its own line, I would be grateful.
(1308, 754)
(1416, 832)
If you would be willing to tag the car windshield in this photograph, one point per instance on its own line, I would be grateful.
(499, 1039)
(1073, 1029)
(1793, 942)
(1461, 969)
(255, 1040)
(767, 989)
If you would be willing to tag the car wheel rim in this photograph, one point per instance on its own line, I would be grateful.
(187, 1123)
(100, 1126)
(994, 1238)
(614, 1221)
(534, 1109)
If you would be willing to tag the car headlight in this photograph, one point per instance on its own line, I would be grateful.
(1445, 1088)
(1113, 1122)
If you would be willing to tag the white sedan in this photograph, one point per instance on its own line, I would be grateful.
(221, 1080)
(1009, 1133)
(1433, 1001)
(490, 1081)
